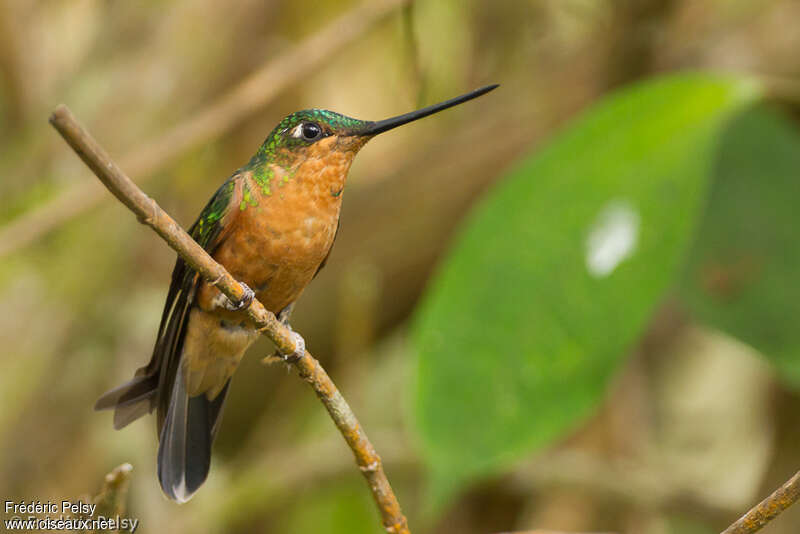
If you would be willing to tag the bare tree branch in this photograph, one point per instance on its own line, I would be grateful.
(111, 499)
(768, 509)
(309, 369)
(249, 95)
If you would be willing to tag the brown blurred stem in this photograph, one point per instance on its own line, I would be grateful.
(309, 369)
(218, 117)
(111, 499)
(768, 509)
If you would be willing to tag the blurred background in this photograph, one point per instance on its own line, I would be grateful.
(508, 382)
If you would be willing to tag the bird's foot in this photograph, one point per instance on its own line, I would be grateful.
(244, 302)
(299, 351)
(299, 348)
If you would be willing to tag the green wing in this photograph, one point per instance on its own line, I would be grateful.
(209, 231)
(151, 386)
(208, 227)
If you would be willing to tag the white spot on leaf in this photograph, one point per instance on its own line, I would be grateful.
(612, 238)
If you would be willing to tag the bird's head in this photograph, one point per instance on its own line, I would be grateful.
(328, 141)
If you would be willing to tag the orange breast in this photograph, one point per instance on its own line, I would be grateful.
(280, 239)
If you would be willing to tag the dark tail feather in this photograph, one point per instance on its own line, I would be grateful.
(184, 450)
(130, 400)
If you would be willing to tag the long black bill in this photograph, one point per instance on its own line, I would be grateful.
(374, 128)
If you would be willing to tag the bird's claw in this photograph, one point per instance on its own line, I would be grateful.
(299, 343)
(244, 302)
(299, 349)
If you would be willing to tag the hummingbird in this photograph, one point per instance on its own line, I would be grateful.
(272, 225)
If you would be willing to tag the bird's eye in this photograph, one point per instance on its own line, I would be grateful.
(311, 131)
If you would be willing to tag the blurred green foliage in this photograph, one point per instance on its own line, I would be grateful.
(346, 509)
(742, 273)
(558, 271)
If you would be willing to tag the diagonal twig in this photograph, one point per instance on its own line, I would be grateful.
(220, 116)
(768, 509)
(148, 212)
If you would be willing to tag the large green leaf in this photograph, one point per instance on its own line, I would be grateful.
(557, 271)
(743, 271)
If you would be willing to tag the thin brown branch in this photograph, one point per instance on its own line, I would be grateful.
(218, 117)
(768, 509)
(110, 502)
(274, 479)
(148, 212)
(111, 499)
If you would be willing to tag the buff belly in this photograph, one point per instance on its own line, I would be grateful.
(213, 348)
